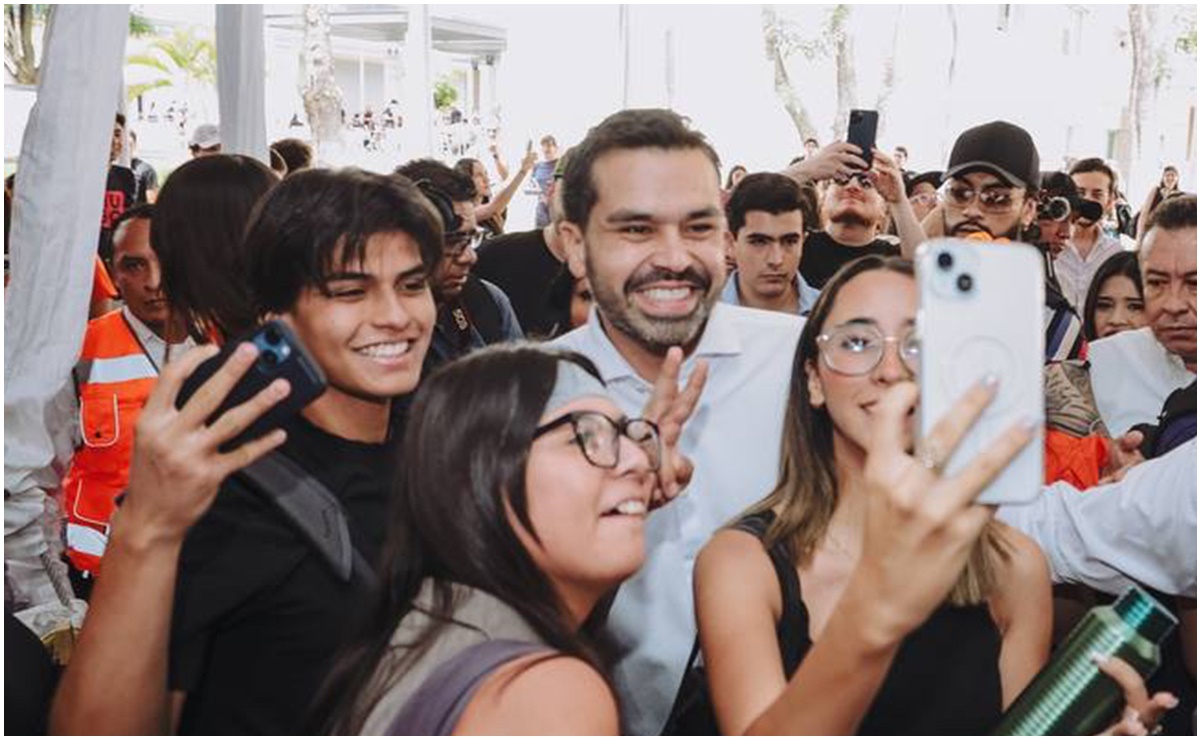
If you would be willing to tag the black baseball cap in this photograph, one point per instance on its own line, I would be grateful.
(934, 177)
(1001, 148)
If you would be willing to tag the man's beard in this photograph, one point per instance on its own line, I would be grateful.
(850, 217)
(656, 334)
(963, 228)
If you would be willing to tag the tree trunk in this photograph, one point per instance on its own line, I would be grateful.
(783, 83)
(20, 59)
(890, 73)
(322, 97)
(844, 66)
(1142, 66)
(950, 91)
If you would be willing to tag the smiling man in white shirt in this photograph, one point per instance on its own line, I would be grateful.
(644, 222)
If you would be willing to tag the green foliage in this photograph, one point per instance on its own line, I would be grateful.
(139, 26)
(445, 94)
(183, 57)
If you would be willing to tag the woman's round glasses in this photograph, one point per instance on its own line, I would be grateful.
(599, 437)
(856, 349)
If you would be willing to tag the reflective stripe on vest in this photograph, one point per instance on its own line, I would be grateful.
(114, 378)
(118, 369)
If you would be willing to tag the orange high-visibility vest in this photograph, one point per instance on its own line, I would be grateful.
(114, 377)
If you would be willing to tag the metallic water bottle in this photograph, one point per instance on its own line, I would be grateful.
(1071, 696)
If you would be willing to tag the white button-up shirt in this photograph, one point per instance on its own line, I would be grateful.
(806, 292)
(1142, 528)
(1132, 375)
(1075, 273)
(733, 439)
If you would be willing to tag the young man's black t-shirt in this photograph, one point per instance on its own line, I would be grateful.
(822, 256)
(259, 614)
(522, 265)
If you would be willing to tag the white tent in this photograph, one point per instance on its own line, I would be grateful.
(56, 220)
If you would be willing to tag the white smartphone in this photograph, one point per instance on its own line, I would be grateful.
(980, 313)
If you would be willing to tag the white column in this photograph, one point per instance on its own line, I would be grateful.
(241, 75)
(56, 224)
(418, 101)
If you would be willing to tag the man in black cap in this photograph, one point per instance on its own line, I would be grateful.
(992, 182)
(922, 191)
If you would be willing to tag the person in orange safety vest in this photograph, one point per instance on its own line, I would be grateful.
(123, 352)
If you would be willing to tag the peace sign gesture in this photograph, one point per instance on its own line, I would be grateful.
(670, 408)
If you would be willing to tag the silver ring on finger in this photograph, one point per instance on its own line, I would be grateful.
(930, 456)
(1156, 730)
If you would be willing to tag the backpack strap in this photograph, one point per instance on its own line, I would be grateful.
(436, 706)
(483, 311)
(313, 510)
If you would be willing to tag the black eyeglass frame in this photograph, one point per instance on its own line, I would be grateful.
(622, 429)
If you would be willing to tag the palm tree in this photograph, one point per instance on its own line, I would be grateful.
(182, 59)
(320, 91)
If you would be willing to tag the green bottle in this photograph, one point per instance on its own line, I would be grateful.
(1071, 696)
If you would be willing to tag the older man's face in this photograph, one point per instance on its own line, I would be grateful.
(1169, 264)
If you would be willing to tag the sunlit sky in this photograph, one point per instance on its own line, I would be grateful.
(562, 72)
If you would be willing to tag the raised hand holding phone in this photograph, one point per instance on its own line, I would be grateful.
(178, 464)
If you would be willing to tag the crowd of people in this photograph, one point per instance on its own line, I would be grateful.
(649, 467)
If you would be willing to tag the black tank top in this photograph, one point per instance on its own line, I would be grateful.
(945, 679)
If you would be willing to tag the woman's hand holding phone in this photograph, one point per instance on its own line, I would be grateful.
(177, 467)
(921, 525)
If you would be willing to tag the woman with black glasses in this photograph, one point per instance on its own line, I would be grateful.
(520, 507)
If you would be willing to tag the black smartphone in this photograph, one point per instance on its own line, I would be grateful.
(861, 131)
(281, 355)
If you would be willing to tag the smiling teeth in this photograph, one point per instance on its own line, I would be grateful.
(632, 507)
(385, 351)
(667, 294)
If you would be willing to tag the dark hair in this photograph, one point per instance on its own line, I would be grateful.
(815, 141)
(648, 128)
(457, 186)
(1122, 263)
(277, 162)
(465, 449)
(1166, 170)
(806, 493)
(730, 177)
(142, 210)
(770, 192)
(120, 120)
(466, 166)
(548, 139)
(201, 215)
(1096, 164)
(1173, 214)
(297, 154)
(903, 150)
(298, 229)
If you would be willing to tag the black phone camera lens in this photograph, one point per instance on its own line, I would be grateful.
(271, 334)
(964, 283)
(945, 260)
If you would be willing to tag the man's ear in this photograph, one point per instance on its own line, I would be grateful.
(1029, 210)
(573, 244)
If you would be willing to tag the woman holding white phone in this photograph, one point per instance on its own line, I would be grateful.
(964, 641)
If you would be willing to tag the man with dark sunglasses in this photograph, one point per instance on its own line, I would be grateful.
(472, 313)
(856, 207)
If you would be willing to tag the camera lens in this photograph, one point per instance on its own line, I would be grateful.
(270, 359)
(964, 282)
(272, 335)
(945, 260)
